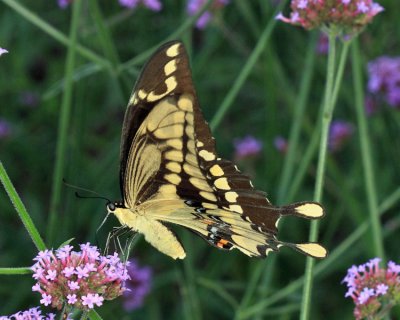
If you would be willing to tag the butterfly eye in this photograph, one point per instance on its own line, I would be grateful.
(111, 206)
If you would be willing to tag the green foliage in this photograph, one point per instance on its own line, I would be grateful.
(253, 76)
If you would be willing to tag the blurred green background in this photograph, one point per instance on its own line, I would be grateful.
(115, 42)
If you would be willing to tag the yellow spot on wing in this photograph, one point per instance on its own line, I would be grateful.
(216, 170)
(189, 118)
(142, 94)
(208, 195)
(173, 131)
(185, 103)
(173, 178)
(199, 144)
(192, 171)
(222, 183)
(174, 155)
(206, 155)
(170, 67)
(175, 143)
(173, 118)
(313, 249)
(190, 146)
(174, 166)
(236, 208)
(173, 50)
(189, 131)
(231, 196)
(310, 210)
(200, 184)
(191, 159)
(168, 189)
(171, 85)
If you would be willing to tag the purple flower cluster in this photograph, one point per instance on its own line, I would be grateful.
(80, 279)
(138, 286)
(373, 289)
(348, 15)
(31, 314)
(193, 6)
(247, 147)
(384, 77)
(339, 132)
(154, 5)
(2, 51)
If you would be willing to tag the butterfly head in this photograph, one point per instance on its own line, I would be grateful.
(112, 207)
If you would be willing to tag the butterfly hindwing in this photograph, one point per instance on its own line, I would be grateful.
(170, 171)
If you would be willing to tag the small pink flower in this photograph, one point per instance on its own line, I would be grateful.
(46, 299)
(72, 298)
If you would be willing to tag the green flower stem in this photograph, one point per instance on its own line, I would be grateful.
(13, 271)
(366, 154)
(63, 124)
(328, 106)
(21, 210)
(244, 73)
(53, 32)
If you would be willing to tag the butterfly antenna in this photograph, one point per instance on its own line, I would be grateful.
(98, 195)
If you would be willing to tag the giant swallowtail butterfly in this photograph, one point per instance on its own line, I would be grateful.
(170, 172)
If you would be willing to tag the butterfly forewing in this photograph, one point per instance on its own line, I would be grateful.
(170, 171)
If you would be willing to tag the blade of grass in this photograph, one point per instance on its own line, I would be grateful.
(53, 32)
(332, 88)
(365, 149)
(63, 124)
(21, 210)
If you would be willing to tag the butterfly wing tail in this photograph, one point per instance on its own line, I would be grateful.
(307, 209)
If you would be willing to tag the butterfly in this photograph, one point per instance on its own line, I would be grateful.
(170, 172)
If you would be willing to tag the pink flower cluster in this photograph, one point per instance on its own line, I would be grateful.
(384, 77)
(78, 279)
(373, 289)
(31, 314)
(349, 15)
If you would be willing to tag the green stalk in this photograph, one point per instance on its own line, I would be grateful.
(21, 210)
(53, 32)
(328, 107)
(368, 169)
(63, 124)
(13, 271)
